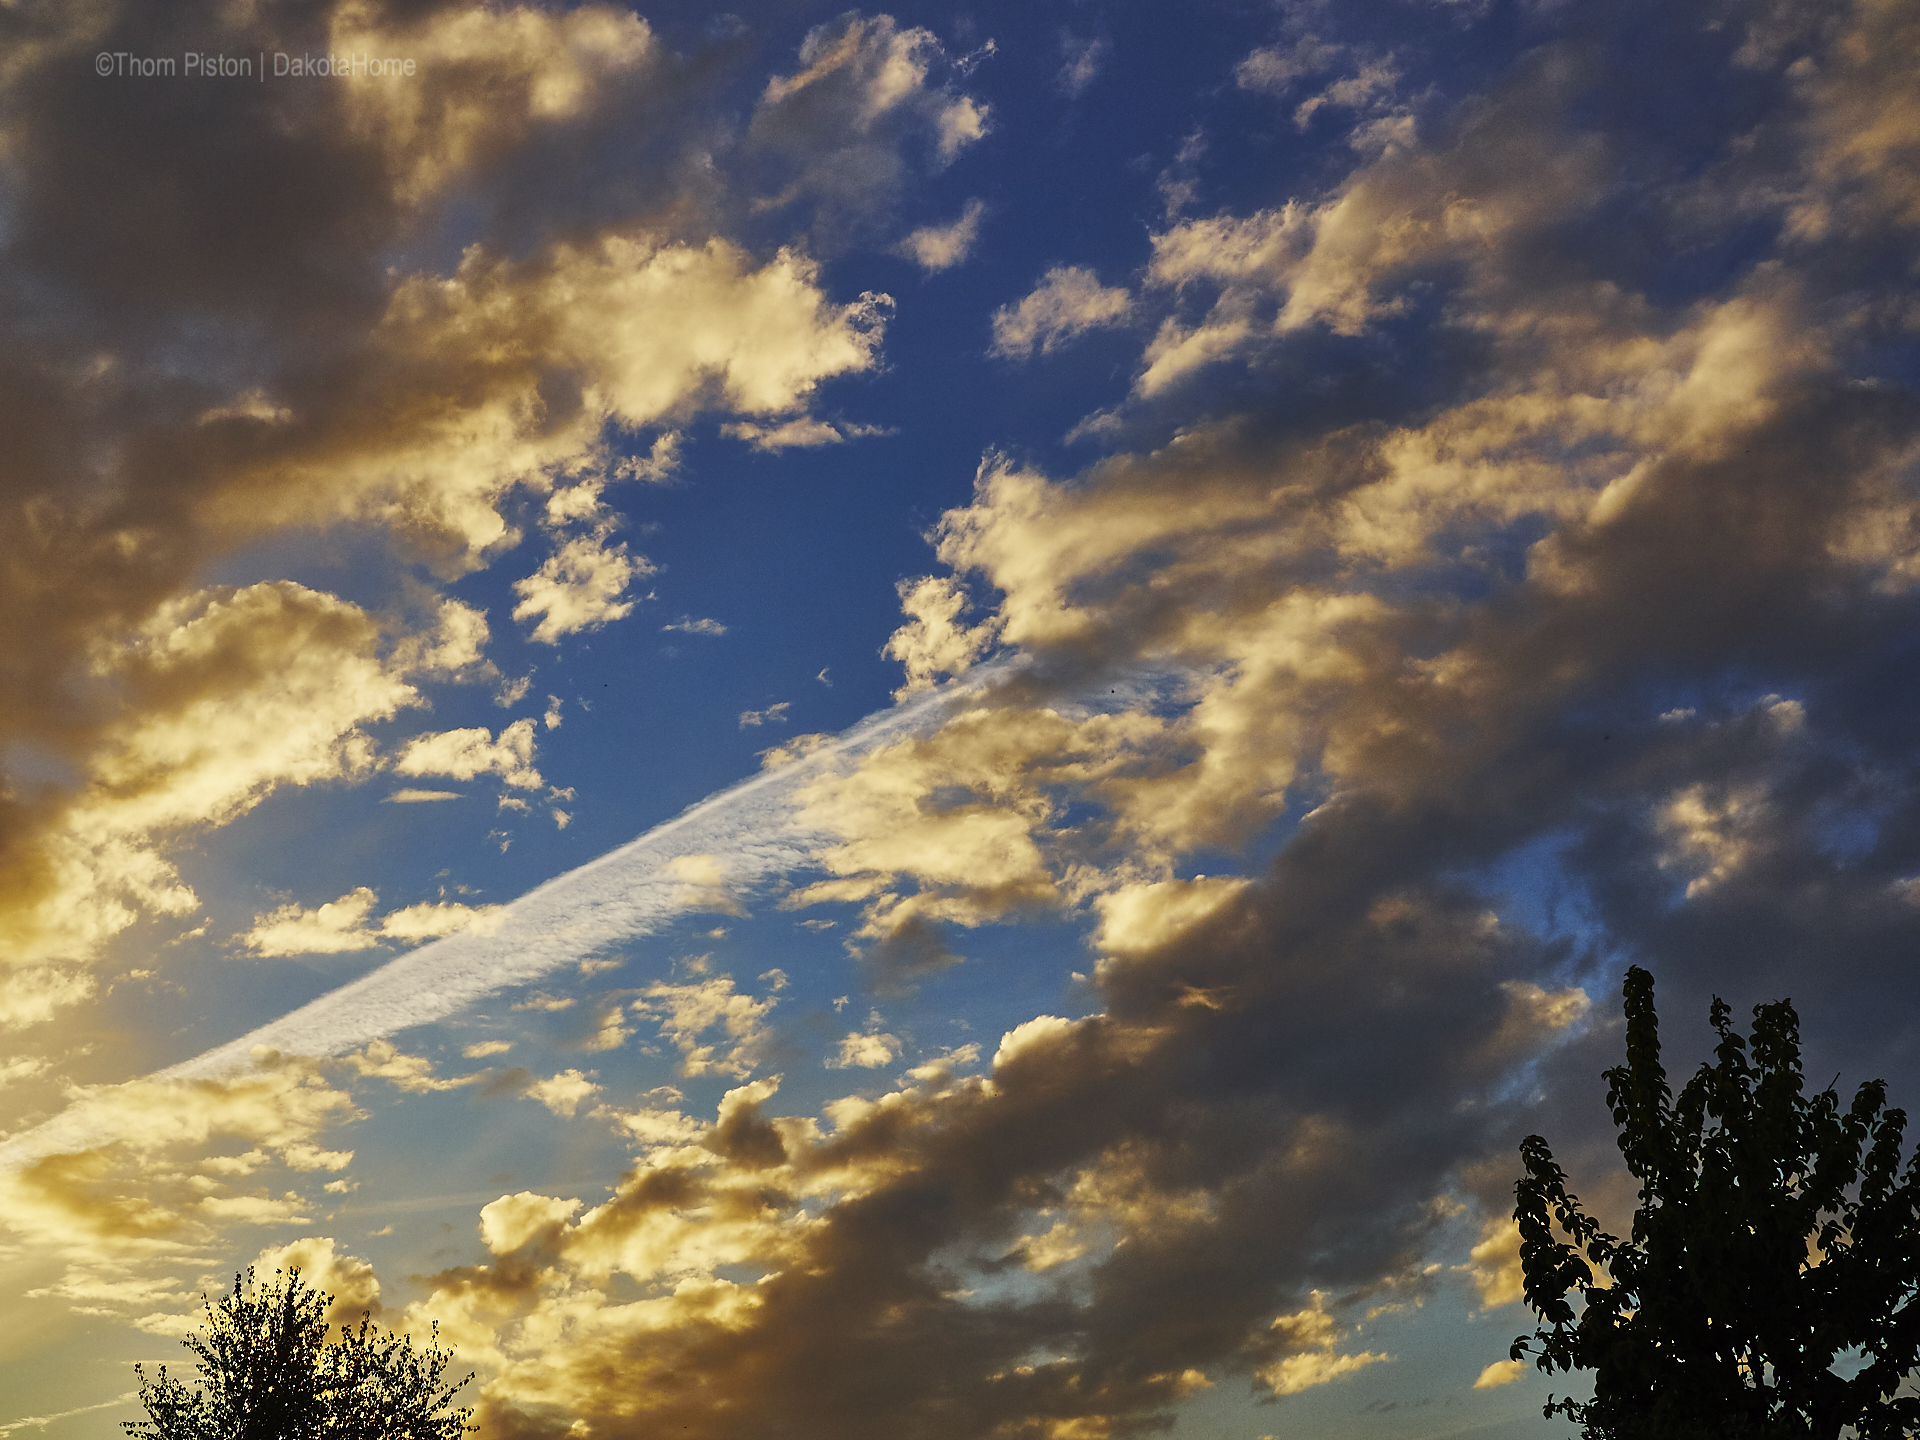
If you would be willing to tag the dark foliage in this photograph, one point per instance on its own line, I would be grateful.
(267, 1372)
(1769, 1288)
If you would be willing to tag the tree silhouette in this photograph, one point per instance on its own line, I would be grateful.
(267, 1372)
(1769, 1287)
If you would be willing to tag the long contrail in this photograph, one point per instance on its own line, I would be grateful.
(753, 829)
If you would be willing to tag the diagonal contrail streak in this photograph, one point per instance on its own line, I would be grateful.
(753, 829)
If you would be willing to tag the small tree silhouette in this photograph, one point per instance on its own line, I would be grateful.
(267, 1372)
(1769, 1247)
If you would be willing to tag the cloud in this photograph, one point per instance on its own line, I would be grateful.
(629, 892)
(866, 1049)
(420, 797)
(23, 1067)
(687, 625)
(486, 79)
(775, 714)
(1083, 57)
(1500, 1372)
(941, 247)
(228, 695)
(464, 754)
(1494, 1266)
(339, 925)
(688, 1012)
(344, 371)
(1068, 302)
(933, 644)
(41, 1421)
(1313, 1337)
(803, 433)
(149, 1188)
(859, 120)
(563, 1093)
(1405, 647)
(347, 1278)
(1275, 69)
(578, 587)
(1083, 1139)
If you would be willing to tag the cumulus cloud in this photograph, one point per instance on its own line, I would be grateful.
(865, 1049)
(1408, 645)
(228, 696)
(1077, 1152)
(563, 1093)
(159, 1181)
(1500, 1372)
(339, 925)
(464, 754)
(1068, 302)
(578, 587)
(941, 247)
(934, 643)
(688, 1013)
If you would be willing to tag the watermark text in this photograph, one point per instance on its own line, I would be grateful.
(200, 65)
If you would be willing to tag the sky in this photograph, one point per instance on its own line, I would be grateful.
(932, 723)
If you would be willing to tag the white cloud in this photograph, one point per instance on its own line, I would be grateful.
(24, 1068)
(865, 1049)
(1084, 55)
(687, 625)
(1068, 302)
(861, 102)
(1313, 1338)
(934, 642)
(1274, 69)
(227, 695)
(1501, 1372)
(463, 754)
(563, 1093)
(579, 586)
(775, 714)
(941, 247)
(429, 921)
(686, 1013)
(342, 925)
(330, 929)
(420, 797)
(33, 994)
(802, 433)
(630, 892)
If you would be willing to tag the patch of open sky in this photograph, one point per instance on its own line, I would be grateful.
(1656, 127)
(1890, 363)
(1531, 886)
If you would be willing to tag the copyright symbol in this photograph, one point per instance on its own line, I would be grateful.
(103, 63)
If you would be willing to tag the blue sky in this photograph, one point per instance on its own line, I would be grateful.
(1216, 574)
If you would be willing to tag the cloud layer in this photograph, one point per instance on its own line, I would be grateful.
(1505, 528)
